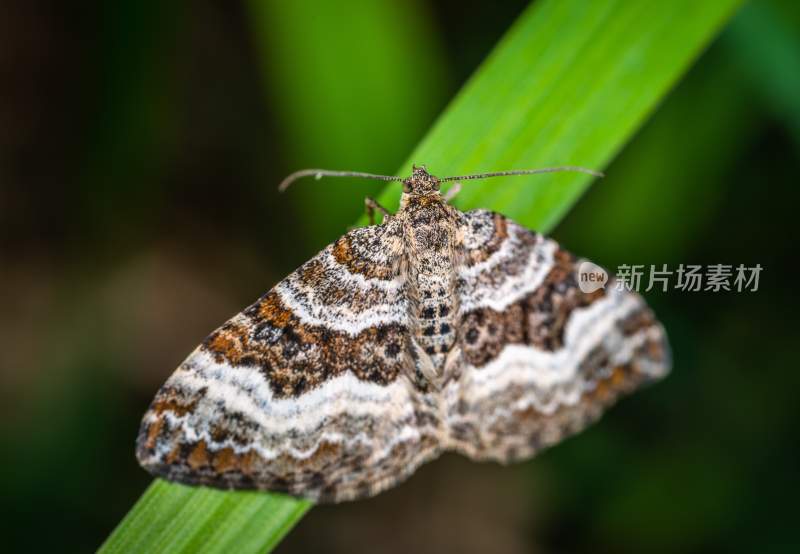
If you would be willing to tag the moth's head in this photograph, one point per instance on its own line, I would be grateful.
(421, 183)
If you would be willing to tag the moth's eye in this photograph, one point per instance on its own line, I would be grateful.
(436, 185)
(406, 187)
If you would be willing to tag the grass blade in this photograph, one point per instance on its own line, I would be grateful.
(175, 518)
(569, 84)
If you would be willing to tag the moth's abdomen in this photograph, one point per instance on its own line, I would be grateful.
(431, 242)
(434, 313)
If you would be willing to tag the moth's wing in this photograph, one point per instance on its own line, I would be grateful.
(304, 391)
(541, 358)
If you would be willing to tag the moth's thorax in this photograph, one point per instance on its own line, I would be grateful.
(432, 245)
(412, 201)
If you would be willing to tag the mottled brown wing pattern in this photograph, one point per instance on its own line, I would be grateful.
(301, 391)
(436, 330)
(542, 359)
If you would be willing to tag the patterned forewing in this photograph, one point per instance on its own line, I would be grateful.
(302, 391)
(542, 359)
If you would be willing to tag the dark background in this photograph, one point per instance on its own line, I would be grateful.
(140, 147)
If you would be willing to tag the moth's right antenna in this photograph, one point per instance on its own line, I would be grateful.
(319, 173)
(524, 172)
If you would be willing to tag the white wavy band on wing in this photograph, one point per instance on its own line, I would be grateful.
(339, 273)
(191, 434)
(244, 389)
(311, 310)
(522, 364)
(537, 265)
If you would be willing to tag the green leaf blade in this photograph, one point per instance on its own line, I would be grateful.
(569, 85)
(176, 518)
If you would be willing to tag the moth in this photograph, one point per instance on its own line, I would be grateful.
(436, 330)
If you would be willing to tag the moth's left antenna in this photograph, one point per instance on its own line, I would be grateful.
(319, 173)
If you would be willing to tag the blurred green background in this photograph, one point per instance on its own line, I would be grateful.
(140, 146)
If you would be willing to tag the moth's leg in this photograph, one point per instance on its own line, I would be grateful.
(452, 365)
(452, 191)
(420, 368)
(371, 205)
